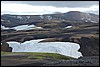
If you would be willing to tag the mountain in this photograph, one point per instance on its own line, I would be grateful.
(76, 16)
(73, 26)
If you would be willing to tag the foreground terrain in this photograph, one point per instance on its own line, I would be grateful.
(31, 58)
(45, 59)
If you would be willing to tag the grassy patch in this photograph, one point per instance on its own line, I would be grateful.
(39, 55)
(5, 53)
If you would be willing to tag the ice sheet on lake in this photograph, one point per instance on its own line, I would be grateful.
(64, 48)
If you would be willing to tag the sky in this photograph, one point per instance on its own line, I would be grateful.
(48, 7)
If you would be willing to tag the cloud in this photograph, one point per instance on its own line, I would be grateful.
(56, 3)
(18, 8)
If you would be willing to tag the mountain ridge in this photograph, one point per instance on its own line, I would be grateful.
(72, 16)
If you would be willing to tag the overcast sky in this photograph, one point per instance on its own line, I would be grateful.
(45, 7)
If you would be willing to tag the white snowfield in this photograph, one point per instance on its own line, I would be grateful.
(3, 27)
(68, 27)
(26, 27)
(22, 27)
(64, 48)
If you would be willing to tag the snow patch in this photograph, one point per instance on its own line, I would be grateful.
(64, 48)
(19, 17)
(41, 17)
(2, 20)
(28, 17)
(49, 17)
(23, 27)
(68, 27)
(3, 27)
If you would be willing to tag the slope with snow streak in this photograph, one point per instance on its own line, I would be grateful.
(68, 27)
(64, 48)
(22, 27)
(3, 27)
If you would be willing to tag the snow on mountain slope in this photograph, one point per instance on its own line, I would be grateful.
(22, 27)
(3, 27)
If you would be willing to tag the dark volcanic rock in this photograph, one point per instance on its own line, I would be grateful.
(84, 61)
(5, 47)
(89, 46)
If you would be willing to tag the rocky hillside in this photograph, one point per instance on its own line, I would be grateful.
(84, 30)
(87, 35)
(72, 16)
(5, 47)
(73, 26)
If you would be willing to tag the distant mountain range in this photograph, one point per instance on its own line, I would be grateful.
(76, 16)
